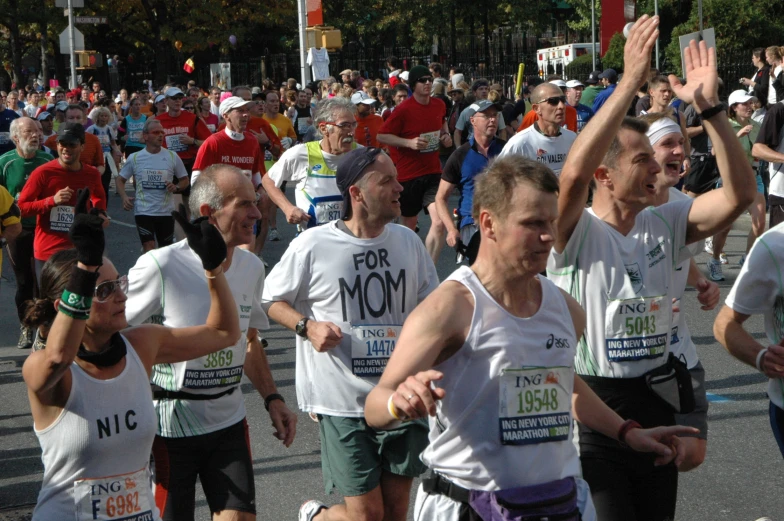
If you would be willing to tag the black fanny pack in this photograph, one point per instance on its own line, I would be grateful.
(552, 501)
(672, 384)
(161, 394)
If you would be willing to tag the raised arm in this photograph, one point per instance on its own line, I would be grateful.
(714, 211)
(592, 143)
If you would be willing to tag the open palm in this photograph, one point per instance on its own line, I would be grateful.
(702, 79)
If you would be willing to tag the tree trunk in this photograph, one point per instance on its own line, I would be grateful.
(43, 27)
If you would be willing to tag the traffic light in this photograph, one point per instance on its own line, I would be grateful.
(89, 60)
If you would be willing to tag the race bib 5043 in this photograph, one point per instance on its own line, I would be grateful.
(637, 328)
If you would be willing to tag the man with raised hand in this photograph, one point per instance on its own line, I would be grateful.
(618, 260)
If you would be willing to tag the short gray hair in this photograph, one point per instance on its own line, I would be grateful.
(206, 190)
(148, 124)
(328, 108)
(14, 129)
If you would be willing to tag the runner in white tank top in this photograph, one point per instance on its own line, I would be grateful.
(89, 388)
(489, 356)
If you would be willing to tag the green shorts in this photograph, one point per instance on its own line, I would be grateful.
(354, 454)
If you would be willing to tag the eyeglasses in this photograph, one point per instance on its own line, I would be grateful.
(347, 125)
(156, 132)
(425, 79)
(487, 116)
(190, 107)
(553, 101)
(104, 290)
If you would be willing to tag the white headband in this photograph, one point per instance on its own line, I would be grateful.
(660, 128)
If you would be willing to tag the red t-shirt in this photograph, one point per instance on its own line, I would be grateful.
(221, 149)
(186, 123)
(367, 130)
(37, 198)
(411, 119)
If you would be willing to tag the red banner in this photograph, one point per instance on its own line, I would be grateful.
(615, 15)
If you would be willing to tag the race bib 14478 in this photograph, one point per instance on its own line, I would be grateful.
(535, 405)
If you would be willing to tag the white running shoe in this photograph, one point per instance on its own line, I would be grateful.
(723, 258)
(709, 245)
(273, 235)
(310, 509)
(714, 269)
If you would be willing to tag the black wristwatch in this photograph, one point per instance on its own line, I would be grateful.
(709, 113)
(302, 327)
(270, 398)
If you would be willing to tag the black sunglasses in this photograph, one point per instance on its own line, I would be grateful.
(554, 100)
(425, 79)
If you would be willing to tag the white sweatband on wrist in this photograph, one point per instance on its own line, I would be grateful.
(759, 359)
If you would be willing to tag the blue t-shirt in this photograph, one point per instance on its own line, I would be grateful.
(463, 166)
(133, 129)
(584, 115)
(602, 97)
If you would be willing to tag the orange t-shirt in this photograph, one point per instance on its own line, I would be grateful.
(367, 130)
(92, 154)
(146, 109)
(570, 119)
(260, 125)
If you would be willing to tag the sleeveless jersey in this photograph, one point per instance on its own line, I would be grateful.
(134, 128)
(506, 418)
(321, 192)
(96, 453)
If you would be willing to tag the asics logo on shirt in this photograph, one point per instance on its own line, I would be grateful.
(559, 343)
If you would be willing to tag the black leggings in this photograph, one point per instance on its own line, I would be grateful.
(630, 489)
(20, 251)
(625, 485)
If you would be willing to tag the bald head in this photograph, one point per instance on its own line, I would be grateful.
(544, 91)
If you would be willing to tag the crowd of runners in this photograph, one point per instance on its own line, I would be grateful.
(550, 376)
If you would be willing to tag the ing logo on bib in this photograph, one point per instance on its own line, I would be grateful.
(316, 168)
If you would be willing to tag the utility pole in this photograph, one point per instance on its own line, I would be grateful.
(593, 33)
(72, 40)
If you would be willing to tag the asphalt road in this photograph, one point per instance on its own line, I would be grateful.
(740, 480)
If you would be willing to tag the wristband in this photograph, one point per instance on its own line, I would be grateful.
(758, 363)
(75, 301)
(709, 113)
(270, 398)
(72, 312)
(625, 428)
(391, 408)
(216, 275)
(81, 282)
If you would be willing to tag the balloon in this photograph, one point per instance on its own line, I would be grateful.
(233, 40)
(109, 62)
(178, 45)
(627, 28)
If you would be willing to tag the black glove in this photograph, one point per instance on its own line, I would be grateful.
(203, 238)
(86, 232)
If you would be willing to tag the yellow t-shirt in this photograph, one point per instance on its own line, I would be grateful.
(7, 215)
(283, 126)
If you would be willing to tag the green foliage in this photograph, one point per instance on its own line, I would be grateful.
(579, 65)
(613, 58)
(739, 24)
(582, 15)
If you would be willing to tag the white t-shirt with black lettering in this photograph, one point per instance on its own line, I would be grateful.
(626, 284)
(367, 287)
(551, 151)
(152, 172)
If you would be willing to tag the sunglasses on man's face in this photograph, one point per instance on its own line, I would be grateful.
(425, 79)
(553, 101)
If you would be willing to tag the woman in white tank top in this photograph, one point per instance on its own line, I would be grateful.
(489, 357)
(89, 388)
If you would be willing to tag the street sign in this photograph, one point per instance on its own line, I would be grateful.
(91, 19)
(65, 44)
(709, 35)
(76, 4)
